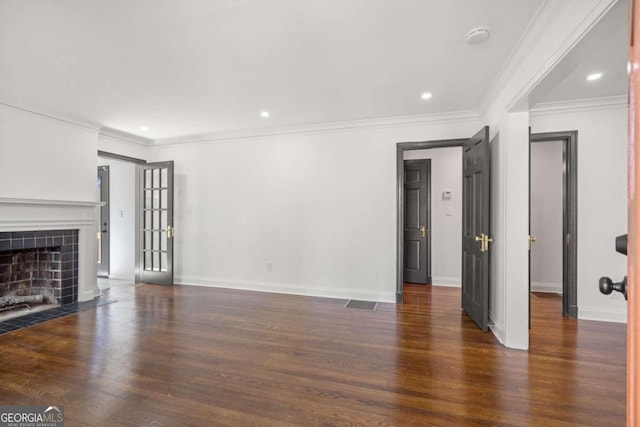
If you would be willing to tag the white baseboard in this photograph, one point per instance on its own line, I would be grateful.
(292, 289)
(454, 282)
(617, 315)
(555, 288)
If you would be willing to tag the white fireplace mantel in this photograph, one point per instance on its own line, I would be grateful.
(41, 214)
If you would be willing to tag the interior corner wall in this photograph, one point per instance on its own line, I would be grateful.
(602, 201)
(311, 214)
(122, 217)
(45, 158)
(546, 216)
(446, 214)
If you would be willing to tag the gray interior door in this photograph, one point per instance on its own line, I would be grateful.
(417, 265)
(157, 223)
(103, 222)
(476, 170)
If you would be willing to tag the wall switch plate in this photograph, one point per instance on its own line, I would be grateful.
(448, 211)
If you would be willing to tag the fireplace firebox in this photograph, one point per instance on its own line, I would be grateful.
(38, 270)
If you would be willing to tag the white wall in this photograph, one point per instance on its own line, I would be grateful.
(320, 206)
(446, 229)
(122, 217)
(546, 216)
(44, 158)
(602, 201)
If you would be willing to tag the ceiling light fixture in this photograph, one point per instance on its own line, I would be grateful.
(594, 76)
(426, 95)
(144, 128)
(265, 114)
(477, 35)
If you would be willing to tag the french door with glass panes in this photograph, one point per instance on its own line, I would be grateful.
(157, 223)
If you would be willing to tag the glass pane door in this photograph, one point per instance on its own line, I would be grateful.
(157, 223)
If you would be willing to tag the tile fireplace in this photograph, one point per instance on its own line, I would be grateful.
(38, 271)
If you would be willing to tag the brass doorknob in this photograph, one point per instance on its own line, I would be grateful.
(423, 231)
(532, 239)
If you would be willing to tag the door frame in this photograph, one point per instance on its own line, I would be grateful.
(569, 216)
(104, 249)
(427, 207)
(138, 203)
(401, 147)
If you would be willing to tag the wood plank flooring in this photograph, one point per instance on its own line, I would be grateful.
(165, 356)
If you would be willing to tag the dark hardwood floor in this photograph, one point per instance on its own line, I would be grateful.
(200, 356)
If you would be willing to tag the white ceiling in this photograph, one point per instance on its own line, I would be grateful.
(193, 67)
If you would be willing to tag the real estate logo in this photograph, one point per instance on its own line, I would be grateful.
(32, 416)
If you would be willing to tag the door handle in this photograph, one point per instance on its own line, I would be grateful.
(169, 232)
(423, 231)
(605, 284)
(484, 240)
(532, 239)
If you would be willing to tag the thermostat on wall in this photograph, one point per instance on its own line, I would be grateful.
(447, 195)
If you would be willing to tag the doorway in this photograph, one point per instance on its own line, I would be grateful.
(553, 227)
(103, 222)
(475, 241)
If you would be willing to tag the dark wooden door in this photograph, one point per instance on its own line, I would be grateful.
(476, 170)
(103, 223)
(157, 223)
(417, 177)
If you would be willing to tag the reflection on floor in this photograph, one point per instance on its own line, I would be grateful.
(107, 283)
(187, 355)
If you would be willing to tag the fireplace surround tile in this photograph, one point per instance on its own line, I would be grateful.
(59, 252)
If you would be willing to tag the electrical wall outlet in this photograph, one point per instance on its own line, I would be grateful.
(269, 266)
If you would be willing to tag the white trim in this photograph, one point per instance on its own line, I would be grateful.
(555, 288)
(513, 60)
(617, 315)
(281, 288)
(76, 123)
(79, 203)
(419, 119)
(125, 137)
(449, 282)
(581, 105)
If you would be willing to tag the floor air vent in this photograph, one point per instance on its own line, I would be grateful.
(361, 305)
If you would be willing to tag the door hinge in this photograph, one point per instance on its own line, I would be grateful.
(568, 239)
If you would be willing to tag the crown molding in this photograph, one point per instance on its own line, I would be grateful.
(581, 105)
(125, 137)
(398, 121)
(536, 28)
(76, 123)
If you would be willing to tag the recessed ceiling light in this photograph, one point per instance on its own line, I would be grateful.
(144, 128)
(594, 76)
(265, 114)
(426, 95)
